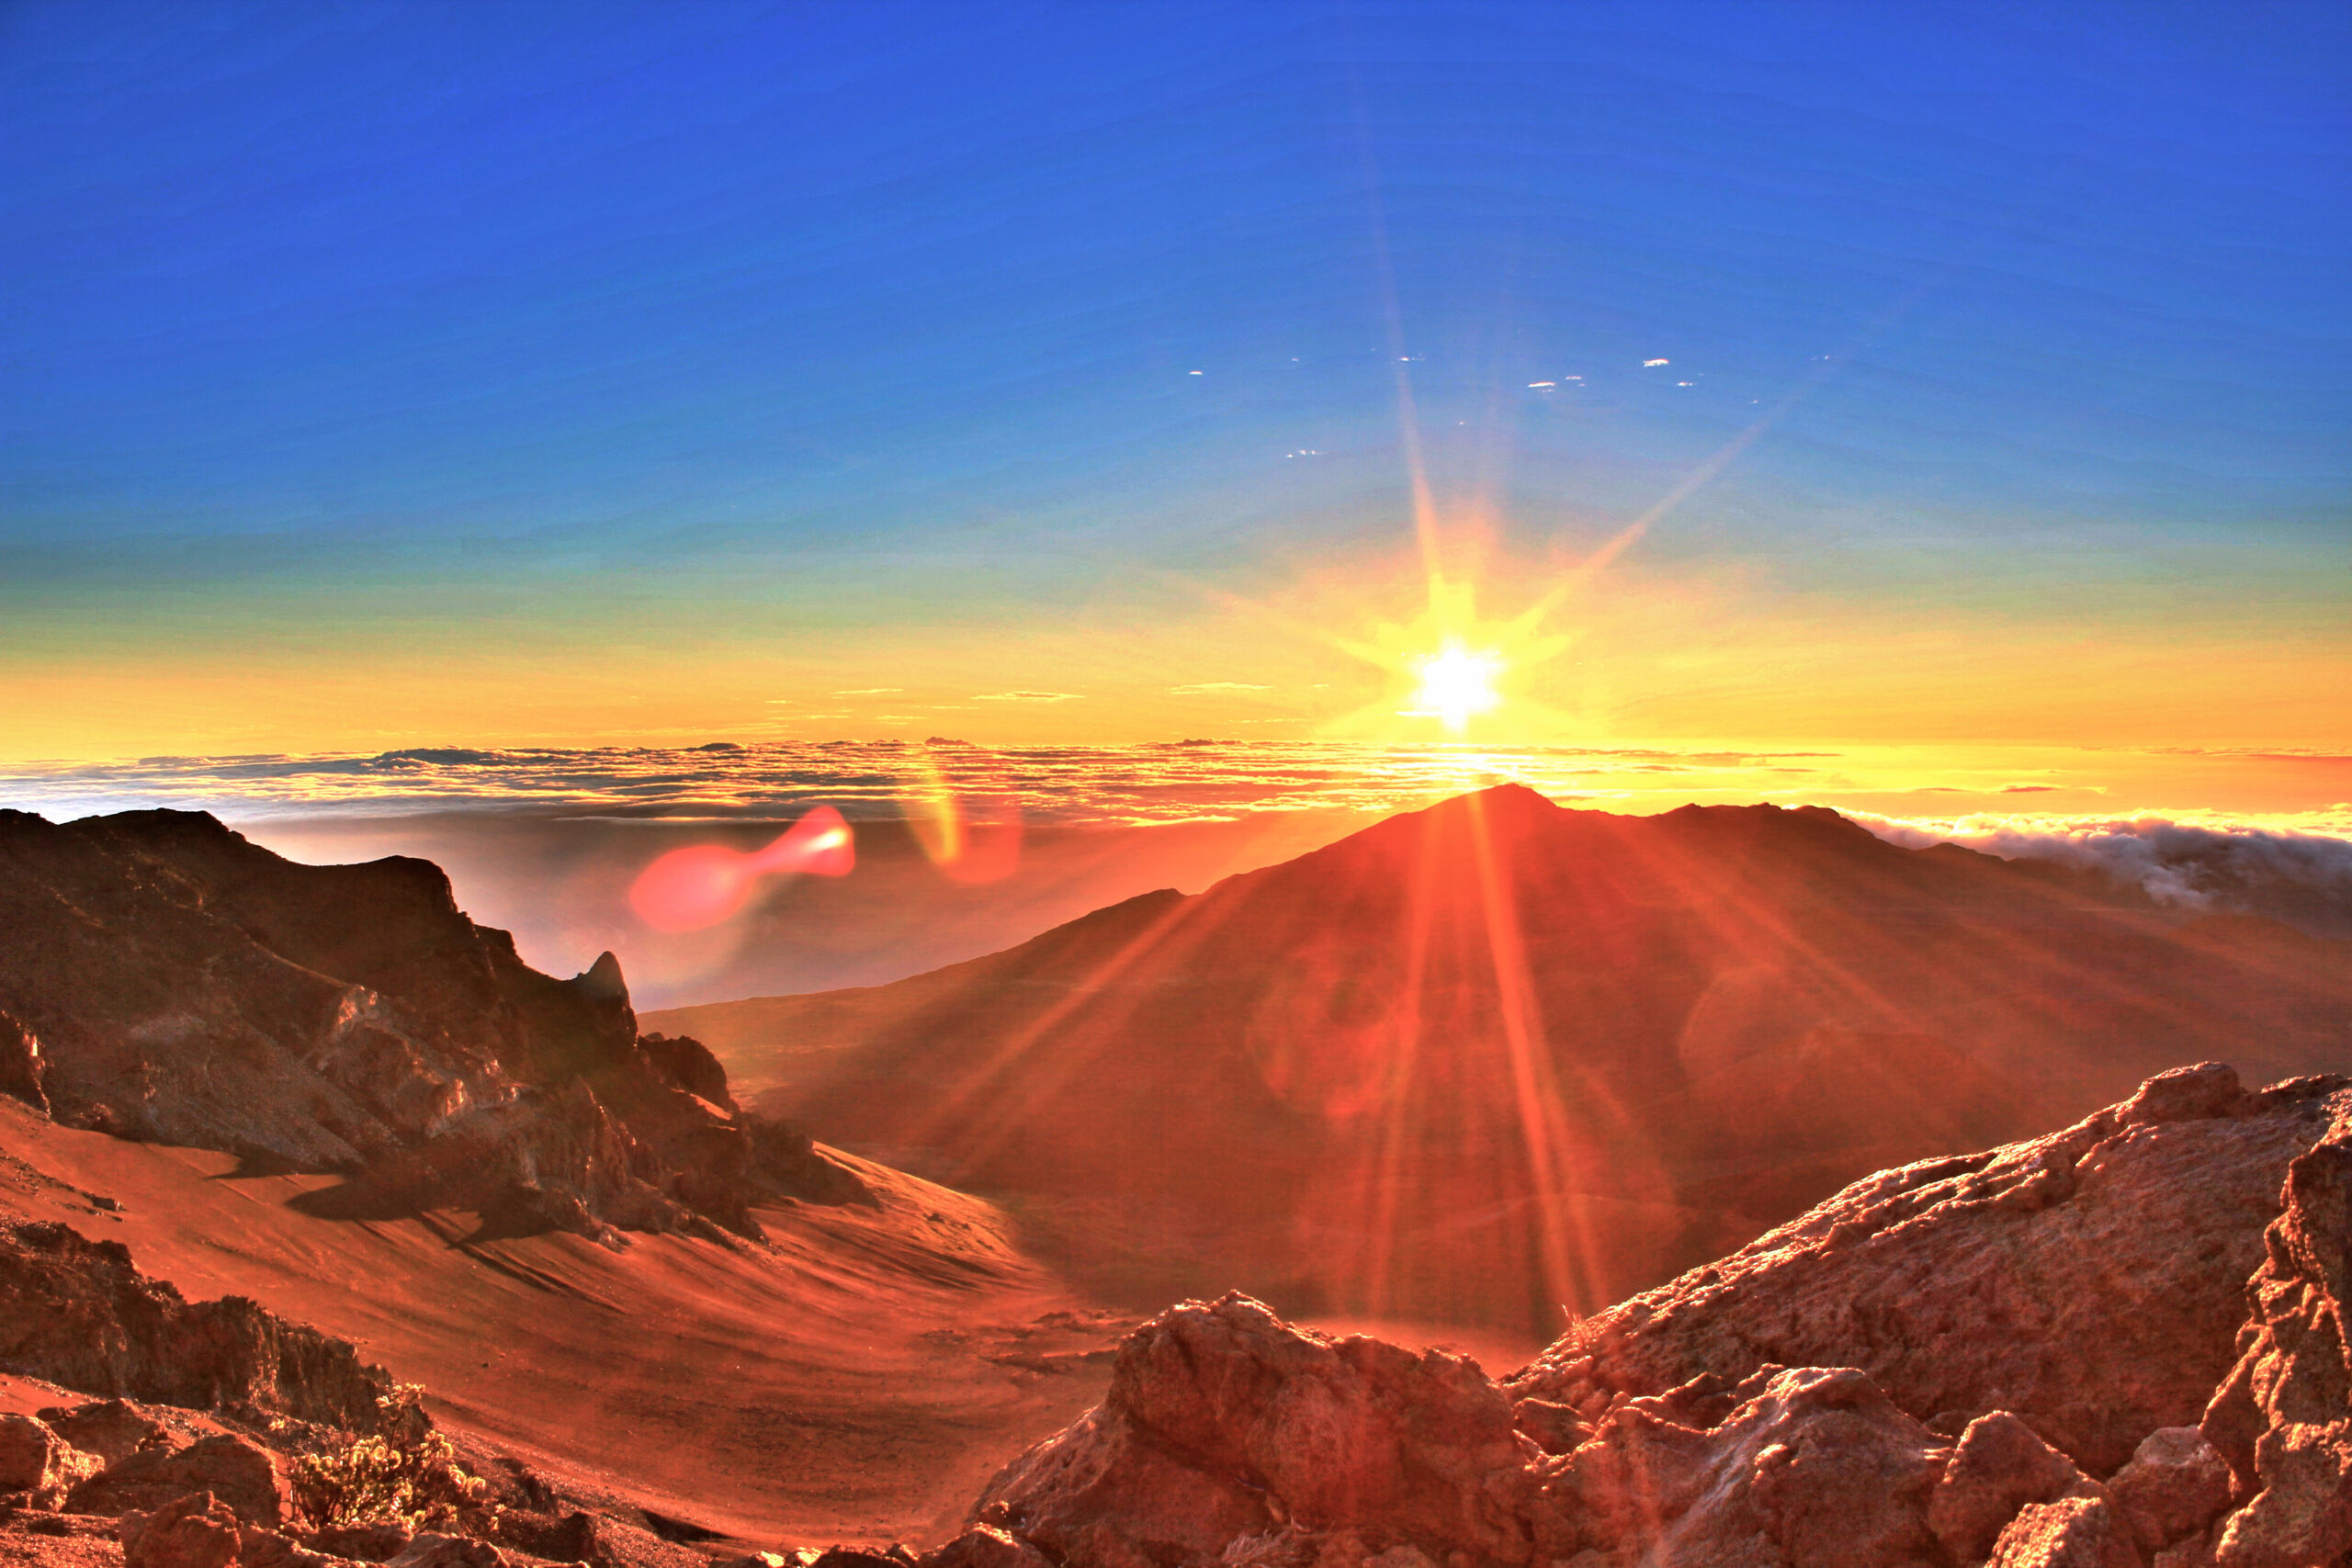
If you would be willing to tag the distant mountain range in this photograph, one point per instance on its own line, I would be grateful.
(1492, 1059)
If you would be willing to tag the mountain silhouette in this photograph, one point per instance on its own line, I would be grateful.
(1497, 1059)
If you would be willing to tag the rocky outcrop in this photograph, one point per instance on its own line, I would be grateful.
(1999, 1467)
(2090, 1282)
(187, 986)
(2283, 1417)
(687, 1064)
(113, 1429)
(2002, 1358)
(77, 1313)
(2175, 1484)
(24, 1073)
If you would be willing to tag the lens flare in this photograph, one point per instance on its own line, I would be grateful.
(1456, 685)
(691, 888)
(965, 813)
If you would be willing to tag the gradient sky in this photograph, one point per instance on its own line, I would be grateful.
(491, 374)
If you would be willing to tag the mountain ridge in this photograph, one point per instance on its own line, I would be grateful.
(167, 979)
(1661, 1033)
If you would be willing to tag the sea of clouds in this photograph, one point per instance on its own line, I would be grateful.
(2296, 868)
(2192, 860)
(1127, 786)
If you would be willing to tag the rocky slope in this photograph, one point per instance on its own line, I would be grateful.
(165, 979)
(244, 1439)
(1485, 1059)
(77, 1312)
(2114, 1345)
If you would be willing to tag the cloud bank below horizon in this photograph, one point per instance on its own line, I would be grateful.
(2281, 867)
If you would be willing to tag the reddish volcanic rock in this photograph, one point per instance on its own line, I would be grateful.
(688, 1064)
(1222, 1420)
(249, 1480)
(77, 1313)
(38, 1464)
(194, 1532)
(432, 1551)
(24, 1072)
(1813, 1468)
(2283, 1418)
(113, 1429)
(191, 988)
(2174, 1487)
(2089, 1281)
(985, 1546)
(1998, 1468)
(2064, 1296)
(2073, 1532)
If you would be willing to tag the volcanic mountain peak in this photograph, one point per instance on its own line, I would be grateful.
(1385, 1077)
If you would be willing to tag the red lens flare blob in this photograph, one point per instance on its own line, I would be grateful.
(688, 889)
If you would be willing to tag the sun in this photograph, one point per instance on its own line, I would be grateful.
(1457, 684)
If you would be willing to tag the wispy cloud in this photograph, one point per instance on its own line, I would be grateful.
(1025, 697)
(1199, 688)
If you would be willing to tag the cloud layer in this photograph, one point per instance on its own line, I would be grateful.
(2285, 872)
(1169, 782)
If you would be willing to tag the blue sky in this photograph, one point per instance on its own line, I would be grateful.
(889, 315)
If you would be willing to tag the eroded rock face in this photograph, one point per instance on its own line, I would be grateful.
(2175, 1486)
(687, 1063)
(433, 1550)
(77, 1313)
(2090, 1282)
(24, 1072)
(2283, 1418)
(1998, 1468)
(2005, 1355)
(1813, 1468)
(190, 987)
(2071, 1533)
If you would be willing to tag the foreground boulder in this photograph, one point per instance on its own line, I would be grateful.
(37, 1467)
(195, 1531)
(248, 1480)
(1223, 1421)
(2005, 1357)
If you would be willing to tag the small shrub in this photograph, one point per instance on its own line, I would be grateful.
(408, 1477)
